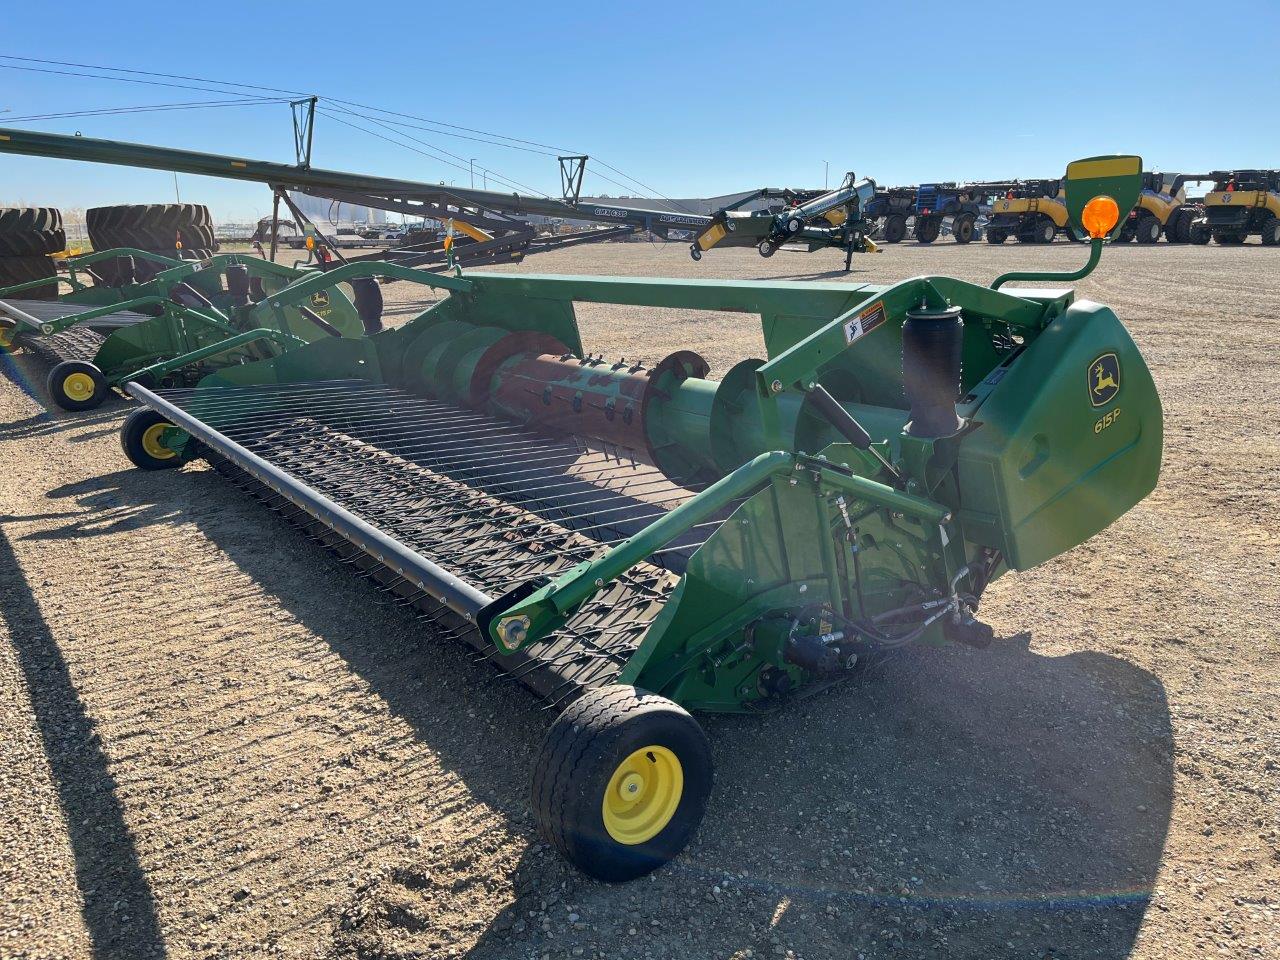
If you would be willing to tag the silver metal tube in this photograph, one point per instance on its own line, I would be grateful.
(439, 583)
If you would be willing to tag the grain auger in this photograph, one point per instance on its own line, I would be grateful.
(632, 541)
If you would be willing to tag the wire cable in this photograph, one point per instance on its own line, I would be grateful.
(237, 87)
(147, 108)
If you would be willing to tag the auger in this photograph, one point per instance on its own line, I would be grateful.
(633, 541)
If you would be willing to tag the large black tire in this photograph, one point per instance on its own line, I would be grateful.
(895, 228)
(140, 438)
(1271, 232)
(997, 235)
(1198, 232)
(1177, 227)
(1147, 230)
(611, 742)
(151, 226)
(962, 229)
(31, 231)
(927, 229)
(15, 270)
(114, 271)
(77, 385)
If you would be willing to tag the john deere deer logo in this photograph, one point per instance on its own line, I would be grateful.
(1104, 379)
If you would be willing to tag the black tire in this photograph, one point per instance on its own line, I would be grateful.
(77, 385)
(962, 229)
(695, 252)
(1045, 231)
(1183, 232)
(1271, 232)
(1175, 227)
(15, 270)
(152, 226)
(997, 235)
(1229, 239)
(1198, 232)
(1147, 230)
(140, 440)
(927, 229)
(31, 231)
(766, 248)
(590, 745)
(895, 228)
(114, 271)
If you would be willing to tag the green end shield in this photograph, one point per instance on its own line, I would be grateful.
(1117, 177)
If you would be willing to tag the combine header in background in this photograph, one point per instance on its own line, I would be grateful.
(816, 221)
(633, 540)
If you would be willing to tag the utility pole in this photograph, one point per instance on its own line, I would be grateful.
(473, 172)
(825, 178)
(175, 186)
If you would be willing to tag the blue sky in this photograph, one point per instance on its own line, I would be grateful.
(692, 99)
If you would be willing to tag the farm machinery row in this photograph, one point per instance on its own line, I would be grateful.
(1032, 211)
(1242, 203)
(634, 540)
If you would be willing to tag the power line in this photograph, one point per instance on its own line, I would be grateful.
(494, 173)
(212, 86)
(374, 133)
(147, 108)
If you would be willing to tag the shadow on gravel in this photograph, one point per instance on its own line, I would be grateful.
(107, 505)
(119, 911)
(949, 802)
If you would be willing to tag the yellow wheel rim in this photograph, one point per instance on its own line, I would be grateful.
(153, 445)
(642, 795)
(78, 386)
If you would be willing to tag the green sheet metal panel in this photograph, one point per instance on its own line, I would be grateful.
(1067, 441)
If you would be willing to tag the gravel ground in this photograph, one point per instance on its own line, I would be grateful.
(215, 742)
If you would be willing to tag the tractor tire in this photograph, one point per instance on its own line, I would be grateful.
(1147, 230)
(927, 229)
(1198, 232)
(1044, 231)
(895, 228)
(77, 385)
(766, 248)
(1230, 239)
(621, 782)
(155, 226)
(31, 231)
(1271, 232)
(1175, 228)
(997, 235)
(141, 439)
(962, 229)
(15, 270)
(114, 272)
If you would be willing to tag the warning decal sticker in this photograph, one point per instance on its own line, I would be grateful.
(864, 322)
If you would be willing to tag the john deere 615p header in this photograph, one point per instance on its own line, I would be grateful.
(632, 540)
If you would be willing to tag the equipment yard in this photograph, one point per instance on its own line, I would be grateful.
(217, 742)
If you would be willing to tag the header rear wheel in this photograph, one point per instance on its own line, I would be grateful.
(621, 782)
